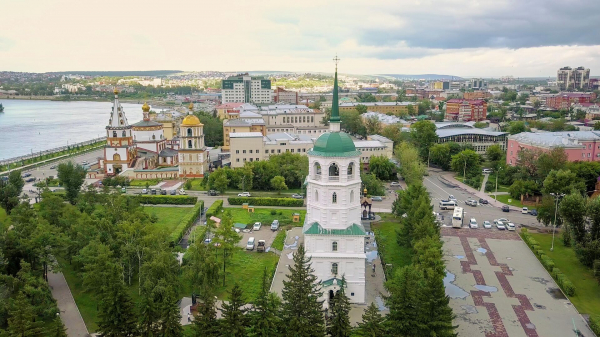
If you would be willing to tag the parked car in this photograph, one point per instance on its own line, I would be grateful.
(395, 183)
(123, 190)
(261, 246)
(487, 171)
(153, 191)
(471, 202)
(483, 201)
(250, 244)
(376, 199)
(26, 175)
(505, 208)
(182, 192)
(30, 180)
(487, 224)
(275, 225)
(297, 196)
(213, 193)
(524, 210)
(473, 223)
(173, 192)
(52, 167)
(256, 226)
(451, 197)
(533, 212)
(510, 226)
(163, 192)
(244, 194)
(144, 191)
(500, 225)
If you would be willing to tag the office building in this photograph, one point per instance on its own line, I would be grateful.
(246, 89)
(281, 95)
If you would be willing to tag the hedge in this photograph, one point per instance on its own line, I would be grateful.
(215, 208)
(287, 202)
(185, 223)
(547, 262)
(595, 324)
(165, 199)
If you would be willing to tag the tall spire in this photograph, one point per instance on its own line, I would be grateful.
(117, 115)
(334, 119)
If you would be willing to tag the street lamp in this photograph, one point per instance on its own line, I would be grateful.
(497, 173)
(556, 196)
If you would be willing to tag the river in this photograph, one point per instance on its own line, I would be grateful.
(28, 125)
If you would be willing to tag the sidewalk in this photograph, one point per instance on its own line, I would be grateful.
(69, 313)
(449, 177)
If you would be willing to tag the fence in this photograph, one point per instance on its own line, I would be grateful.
(51, 151)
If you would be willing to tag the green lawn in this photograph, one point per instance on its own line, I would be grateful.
(385, 234)
(168, 217)
(587, 293)
(196, 185)
(514, 202)
(279, 240)
(264, 215)
(142, 182)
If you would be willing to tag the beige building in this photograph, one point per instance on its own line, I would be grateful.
(247, 122)
(396, 108)
(193, 157)
(254, 146)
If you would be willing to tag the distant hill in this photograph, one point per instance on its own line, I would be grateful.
(424, 77)
(122, 73)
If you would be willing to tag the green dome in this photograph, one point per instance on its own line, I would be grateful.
(334, 144)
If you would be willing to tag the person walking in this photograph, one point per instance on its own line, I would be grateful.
(373, 267)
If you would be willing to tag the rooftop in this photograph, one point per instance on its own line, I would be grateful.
(368, 104)
(316, 228)
(571, 139)
(466, 131)
(245, 135)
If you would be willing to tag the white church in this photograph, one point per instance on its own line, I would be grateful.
(334, 237)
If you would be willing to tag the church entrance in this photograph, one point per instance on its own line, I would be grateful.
(117, 169)
(331, 295)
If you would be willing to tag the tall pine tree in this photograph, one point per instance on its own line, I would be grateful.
(372, 324)
(264, 319)
(339, 321)
(205, 320)
(235, 321)
(405, 302)
(302, 310)
(21, 321)
(117, 316)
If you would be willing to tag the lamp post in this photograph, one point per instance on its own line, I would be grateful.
(496, 194)
(556, 196)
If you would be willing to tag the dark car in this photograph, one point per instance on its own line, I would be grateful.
(213, 193)
(163, 192)
(483, 201)
(533, 212)
(505, 208)
(32, 179)
(173, 192)
(153, 191)
(27, 175)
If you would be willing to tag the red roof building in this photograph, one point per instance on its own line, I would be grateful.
(466, 110)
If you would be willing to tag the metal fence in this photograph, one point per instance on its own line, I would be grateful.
(51, 151)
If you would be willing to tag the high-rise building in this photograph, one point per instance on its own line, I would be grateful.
(246, 89)
(578, 78)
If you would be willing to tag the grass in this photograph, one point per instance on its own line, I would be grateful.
(264, 216)
(514, 202)
(389, 249)
(142, 182)
(587, 293)
(279, 240)
(168, 217)
(196, 185)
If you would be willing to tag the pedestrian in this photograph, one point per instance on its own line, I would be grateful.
(373, 267)
(189, 317)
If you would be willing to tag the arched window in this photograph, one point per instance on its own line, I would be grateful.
(153, 136)
(334, 246)
(189, 144)
(350, 170)
(317, 168)
(160, 136)
(189, 132)
(124, 134)
(334, 198)
(334, 170)
(115, 134)
(351, 196)
(316, 195)
(334, 268)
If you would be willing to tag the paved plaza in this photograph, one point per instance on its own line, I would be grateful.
(498, 288)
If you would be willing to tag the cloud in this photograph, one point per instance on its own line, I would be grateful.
(6, 44)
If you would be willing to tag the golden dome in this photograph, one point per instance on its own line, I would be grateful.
(145, 107)
(365, 191)
(116, 91)
(191, 107)
(191, 120)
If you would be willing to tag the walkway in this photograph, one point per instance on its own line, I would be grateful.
(485, 179)
(69, 313)
(449, 179)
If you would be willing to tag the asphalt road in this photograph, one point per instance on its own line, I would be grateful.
(438, 190)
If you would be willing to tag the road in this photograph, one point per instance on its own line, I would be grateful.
(439, 190)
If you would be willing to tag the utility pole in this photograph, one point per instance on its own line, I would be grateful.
(465, 170)
(496, 194)
(557, 196)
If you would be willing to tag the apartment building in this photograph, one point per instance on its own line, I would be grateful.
(247, 122)
(564, 100)
(578, 145)
(477, 95)
(466, 110)
(396, 108)
(246, 89)
(280, 95)
(568, 78)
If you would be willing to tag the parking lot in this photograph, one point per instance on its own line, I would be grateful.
(497, 287)
(265, 233)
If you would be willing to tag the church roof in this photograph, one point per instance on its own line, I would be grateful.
(167, 152)
(146, 123)
(334, 144)
(315, 228)
(191, 120)
(332, 281)
(117, 115)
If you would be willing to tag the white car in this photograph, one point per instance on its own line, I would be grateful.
(395, 183)
(487, 224)
(524, 210)
(473, 223)
(487, 171)
(250, 244)
(256, 226)
(451, 197)
(244, 194)
(500, 225)
(510, 226)
(182, 192)
(144, 191)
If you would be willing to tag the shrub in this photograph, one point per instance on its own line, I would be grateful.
(185, 223)
(568, 287)
(533, 242)
(273, 212)
(555, 272)
(215, 208)
(524, 230)
(286, 202)
(535, 248)
(165, 199)
(540, 253)
(595, 324)
(547, 262)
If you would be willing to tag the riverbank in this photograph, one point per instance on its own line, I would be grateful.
(159, 103)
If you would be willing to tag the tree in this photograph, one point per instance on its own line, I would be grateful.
(205, 321)
(213, 128)
(588, 171)
(352, 123)
(517, 127)
(235, 321)
(412, 168)
(116, 311)
(71, 177)
(423, 135)
(264, 317)
(562, 182)
(572, 210)
(546, 211)
(405, 303)
(494, 153)
(439, 154)
(226, 238)
(373, 125)
(373, 185)
(10, 191)
(22, 320)
(597, 125)
(593, 213)
(467, 161)
(302, 309)
(382, 168)
(372, 324)
(339, 321)
(555, 159)
(361, 108)
(202, 267)
(218, 180)
(278, 184)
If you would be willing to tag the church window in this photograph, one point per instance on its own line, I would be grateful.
(334, 198)
(350, 170)
(334, 268)
(334, 246)
(153, 137)
(115, 134)
(189, 132)
(334, 170)
(121, 121)
(160, 136)
(124, 134)
(317, 168)
(351, 196)
(316, 195)
(189, 144)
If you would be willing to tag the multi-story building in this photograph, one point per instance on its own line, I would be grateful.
(443, 85)
(465, 133)
(478, 84)
(246, 89)
(477, 95)
(233, 110)
(592, 110)
(385, 119)
(564, 100)
(466, 110)
(247, 122)
(280, 95)
(578, 145)
(396, 108)
(568, 78)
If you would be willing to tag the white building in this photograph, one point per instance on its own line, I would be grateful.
(334, 237)
(119, 151)
(246, 89)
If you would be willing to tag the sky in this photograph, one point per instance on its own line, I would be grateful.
(487, 38)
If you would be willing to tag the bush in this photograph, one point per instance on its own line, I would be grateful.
(273, 212)
(524, 230)
(535, 248)
(555, 272)
(540, 253)
(285, 202)
(595, 324)
(165, 199)
(533, 242)
(185, 223)
(568, 287)
(215, 208)
(547, 262)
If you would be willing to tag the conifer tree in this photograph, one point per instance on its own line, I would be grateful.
(437, 313)
(302, 310)
(205, 321)
(339, 321)
(235, 321)
(372, 324)
(117, 317)
(58, 329)
(264, 319)
(21, 321)
(405, 303)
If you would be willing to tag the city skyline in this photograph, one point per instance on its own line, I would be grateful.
(383, 37)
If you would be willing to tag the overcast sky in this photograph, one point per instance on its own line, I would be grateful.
(490, 38)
